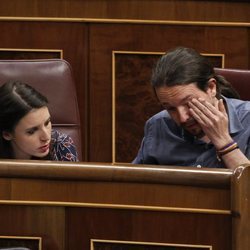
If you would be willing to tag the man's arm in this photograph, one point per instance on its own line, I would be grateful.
(214, 122)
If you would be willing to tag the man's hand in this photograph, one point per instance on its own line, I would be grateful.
(213, 120)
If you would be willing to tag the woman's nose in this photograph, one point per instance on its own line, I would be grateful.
(46, 134)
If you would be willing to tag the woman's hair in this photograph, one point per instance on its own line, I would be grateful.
(16, 100)
(182, 66)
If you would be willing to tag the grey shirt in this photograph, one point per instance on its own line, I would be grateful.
(166, 143)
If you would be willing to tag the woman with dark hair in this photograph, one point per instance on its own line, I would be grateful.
(25, 126)
(203, 122)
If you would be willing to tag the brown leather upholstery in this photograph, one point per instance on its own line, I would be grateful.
(240, 79)
(53, 78)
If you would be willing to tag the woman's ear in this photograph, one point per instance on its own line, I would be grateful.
(211, 88)
(7, 136)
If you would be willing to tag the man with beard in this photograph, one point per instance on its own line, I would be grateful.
(203, 122)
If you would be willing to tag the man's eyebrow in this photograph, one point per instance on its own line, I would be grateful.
(187, 97)
(183, 100)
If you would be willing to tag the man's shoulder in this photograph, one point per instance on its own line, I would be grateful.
(240, 105)
(238, 102)
(239, 111)
(162, 115)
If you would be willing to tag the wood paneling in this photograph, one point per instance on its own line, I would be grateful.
(35, 221)
(105, 38)
(240, 193)
(88, 47)
(149, 227)
(84, 181)
(66, 36)
(132, 89)
(9, 54)
(192, 10)
(68, 204)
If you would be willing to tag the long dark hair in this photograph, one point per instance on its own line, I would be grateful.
(182, 66)
(16, 100)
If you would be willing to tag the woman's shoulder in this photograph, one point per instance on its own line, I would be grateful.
(63, 148)
(59, 136)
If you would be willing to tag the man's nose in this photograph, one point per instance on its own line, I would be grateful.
(183, 113)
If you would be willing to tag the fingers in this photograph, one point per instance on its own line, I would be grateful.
(201, 110)
(212, 118)
(221, 106)
(205, 112)
(207, 107)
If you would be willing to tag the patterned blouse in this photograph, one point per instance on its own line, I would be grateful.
(62, 147)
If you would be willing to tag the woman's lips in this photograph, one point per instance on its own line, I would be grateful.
(44, 148)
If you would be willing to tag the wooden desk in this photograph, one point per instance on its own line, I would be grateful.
(100, 206)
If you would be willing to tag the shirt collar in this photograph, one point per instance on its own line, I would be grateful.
(235, 124)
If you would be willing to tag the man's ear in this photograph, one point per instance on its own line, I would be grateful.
(212, 87)
(7, 135)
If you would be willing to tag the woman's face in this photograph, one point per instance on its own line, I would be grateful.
(32, 135)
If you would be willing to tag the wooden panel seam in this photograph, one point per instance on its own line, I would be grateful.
(126, 21)
(117, 206)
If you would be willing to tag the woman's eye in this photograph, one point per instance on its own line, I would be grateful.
(30, 132)
(47, 123)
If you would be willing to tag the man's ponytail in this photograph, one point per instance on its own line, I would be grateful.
(225, 88)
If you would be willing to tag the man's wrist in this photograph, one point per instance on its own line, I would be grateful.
(226, 149)
(219, 145)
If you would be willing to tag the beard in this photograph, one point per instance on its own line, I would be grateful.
(193, 128)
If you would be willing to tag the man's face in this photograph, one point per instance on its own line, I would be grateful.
(176, 100)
